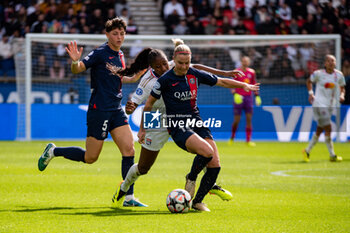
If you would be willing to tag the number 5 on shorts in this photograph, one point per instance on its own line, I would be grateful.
(105, 125)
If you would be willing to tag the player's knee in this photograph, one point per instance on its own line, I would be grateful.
(90, 159)
(207, 152)
(129, 151)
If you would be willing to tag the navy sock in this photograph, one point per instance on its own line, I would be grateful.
(199, 162)
(72, 153)
(127, 162)
(207, 182)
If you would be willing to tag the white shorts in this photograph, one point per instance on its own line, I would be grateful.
(323, 115)
(155, 140)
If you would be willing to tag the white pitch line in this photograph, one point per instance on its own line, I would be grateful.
(284, 173)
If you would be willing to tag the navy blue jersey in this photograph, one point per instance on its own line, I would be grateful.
(106, 89)
(180, 92)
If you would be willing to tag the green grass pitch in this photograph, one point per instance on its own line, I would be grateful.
(274, 191)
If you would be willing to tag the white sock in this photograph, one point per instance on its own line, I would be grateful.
(129, 197)
(312, 143)
(329, 144)
(130, 178)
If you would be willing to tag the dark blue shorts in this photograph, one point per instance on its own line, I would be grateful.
(247, 105)
(99, 123)
(180, 135)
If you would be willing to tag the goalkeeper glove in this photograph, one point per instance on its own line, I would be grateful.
(257, 100)
(237, 98)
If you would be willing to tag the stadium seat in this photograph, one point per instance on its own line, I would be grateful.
(250, 25)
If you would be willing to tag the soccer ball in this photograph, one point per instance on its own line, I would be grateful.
(179, 201)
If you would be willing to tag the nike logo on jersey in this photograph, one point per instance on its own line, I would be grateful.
(174, 84)
(111, 57)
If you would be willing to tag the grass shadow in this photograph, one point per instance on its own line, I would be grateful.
(299, 162)
(98, 211)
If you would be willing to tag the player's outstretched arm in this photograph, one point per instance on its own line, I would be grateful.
(148, 107)
(75, 54)
(309, 89)
(126, 79)
(225, 73)
(134, 78)
(342, 94)
(230, 83)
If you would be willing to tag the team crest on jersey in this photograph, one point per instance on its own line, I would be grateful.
(329, 85)
(148, 141)
(139, 91)
(104, 134)
(156, 85)
(191, 78)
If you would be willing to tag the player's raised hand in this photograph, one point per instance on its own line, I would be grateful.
(73, 52)
(248, 87)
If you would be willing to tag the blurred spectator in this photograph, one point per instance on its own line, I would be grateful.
(190, 8)
(172, 5)
(218, 10)
(283, 29)
(96, 21)
(234, 18)
(299, 9)
(110, 14)
(40, 25)
(125, 15)
(346, 69)
(310, 25)
(299, 66)
(261, 15)
(343, 9)
(57, 70)
(196, 28)
(171, 22)
(181, 28)
(306, 52)
(285, 12)
(312, 7)
(240, 29)
(132, 27)
(340, 27)
(226, 26)
(287, 73)
(267, 63)
(249, 5)
(268, 27)
(119, 5)
(7, 65)
(282, 69)
(41, 68)
(212, 27)
(204, 9)
(293, 27)
(292, 51)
